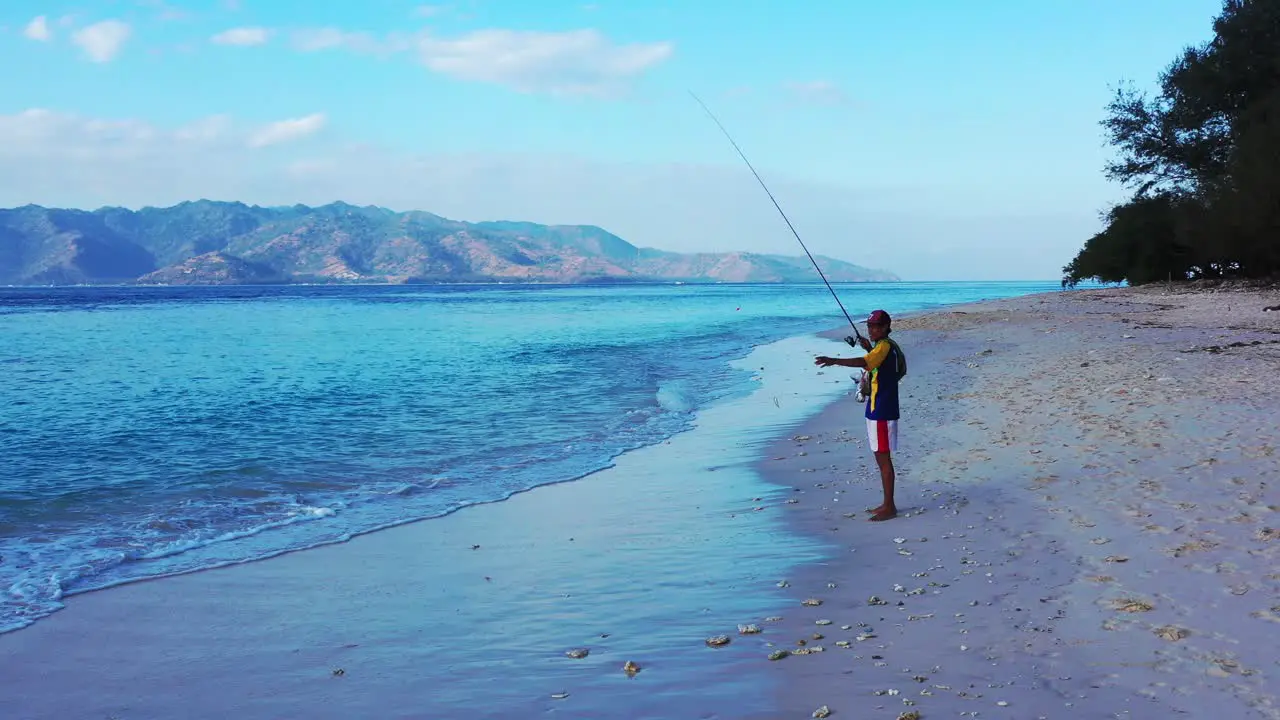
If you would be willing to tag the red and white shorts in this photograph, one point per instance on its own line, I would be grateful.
(882, 435)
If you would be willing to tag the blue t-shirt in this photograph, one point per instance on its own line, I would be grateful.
(887, 365)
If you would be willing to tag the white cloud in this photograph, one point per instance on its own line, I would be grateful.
(921, 233)
(577, 62)
(318, 39)
(428, 11)
(573, 62)
(166, 12)
(242, 36)
(310, 167)
(819, 91)
(205, 130)
(287, 130)
(101, 42)
(38, 29)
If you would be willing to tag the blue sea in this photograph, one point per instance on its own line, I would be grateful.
(153, 431)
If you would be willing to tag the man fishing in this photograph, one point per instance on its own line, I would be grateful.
(884, 360)
(886, 364)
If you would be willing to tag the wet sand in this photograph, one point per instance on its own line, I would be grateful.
(1089, 485)
(469, 615)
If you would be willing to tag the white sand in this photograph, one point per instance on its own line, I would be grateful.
(1100, 536)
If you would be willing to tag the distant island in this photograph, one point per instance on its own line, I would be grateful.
(230, 243)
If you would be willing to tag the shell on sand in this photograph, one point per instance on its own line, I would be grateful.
(1269, 534)
(910, 715)
(1192, 546)
(751, 629)
(718, 641)
(1116, 559)
(1132, 605)
(1172, 633)
(811, 602)
(778, 654)
(630, 668)
(577, 653)
(822, 712)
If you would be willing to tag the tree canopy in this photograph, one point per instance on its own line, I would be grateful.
(1203, 160)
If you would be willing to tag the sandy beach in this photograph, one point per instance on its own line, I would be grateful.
(1087, 484)
(1089, 487)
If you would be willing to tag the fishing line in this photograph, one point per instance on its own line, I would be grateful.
(743, 155)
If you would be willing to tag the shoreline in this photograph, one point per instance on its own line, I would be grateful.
(1086, 526)
(184, 552)
(642, 562)
(993, 520)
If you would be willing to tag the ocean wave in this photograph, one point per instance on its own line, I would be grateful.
(231, 425)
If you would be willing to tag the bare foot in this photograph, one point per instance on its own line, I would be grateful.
(875, 510)
(884, 514)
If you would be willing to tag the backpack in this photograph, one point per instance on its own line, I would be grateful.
(864, 382)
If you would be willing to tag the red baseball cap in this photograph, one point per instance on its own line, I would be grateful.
(878, 317)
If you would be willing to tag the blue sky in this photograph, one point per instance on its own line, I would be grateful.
(940, 140)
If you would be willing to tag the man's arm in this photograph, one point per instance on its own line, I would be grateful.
(824, 361)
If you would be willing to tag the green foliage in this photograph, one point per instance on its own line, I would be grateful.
(1203, 158)
(1145, 240)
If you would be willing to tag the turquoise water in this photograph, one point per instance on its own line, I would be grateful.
(152, 431)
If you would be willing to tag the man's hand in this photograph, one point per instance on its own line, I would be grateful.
(824, 361)
(865, 343)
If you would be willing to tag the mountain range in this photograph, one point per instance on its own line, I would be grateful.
(208, 242)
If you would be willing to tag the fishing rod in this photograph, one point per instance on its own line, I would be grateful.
(857, 335)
